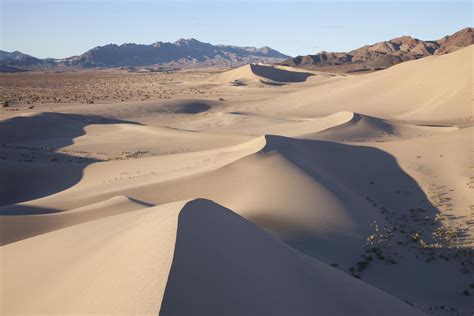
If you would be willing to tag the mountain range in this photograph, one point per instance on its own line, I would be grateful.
(182, 53)
(383, 54)
(191, 53)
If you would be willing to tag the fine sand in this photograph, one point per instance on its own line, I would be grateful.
(261, 190)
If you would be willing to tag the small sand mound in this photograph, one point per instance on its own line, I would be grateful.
(264, 73)
(360, 127)
(185, 107)
(368, 128)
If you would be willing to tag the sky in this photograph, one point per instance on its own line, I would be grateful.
(63, 28)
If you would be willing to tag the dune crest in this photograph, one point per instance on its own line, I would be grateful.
(436, 88)
(282, 281)
(135, 250)
(57, 271)
(362, 128)
(264, 73)
(16, 227)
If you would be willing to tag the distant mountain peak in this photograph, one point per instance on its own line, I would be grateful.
(15, 55)
(187, 40)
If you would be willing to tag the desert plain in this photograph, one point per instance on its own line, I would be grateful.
(259, 190)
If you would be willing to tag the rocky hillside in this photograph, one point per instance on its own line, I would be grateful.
(183, 53)
(382, 55)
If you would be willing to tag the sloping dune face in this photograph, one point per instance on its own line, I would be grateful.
(437, 88)
(281, 282)
(279, 74)
(59, 147)
(114, 265)
(363, 128)
(255, 73)
(20, 227)
(212, 246)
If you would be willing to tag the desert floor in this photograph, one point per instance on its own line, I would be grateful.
(252, 191)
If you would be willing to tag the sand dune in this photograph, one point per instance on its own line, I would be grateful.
(264, 73)
(257, 125)
(58, 271)
(282, 281)
(104, 139)
(436, 88)
(50, 130)
(134, 251)
(368, 128)
(19, 227)
(340, 126)
(125, 208)
(114, 141)
(105, 180)
(313, 179)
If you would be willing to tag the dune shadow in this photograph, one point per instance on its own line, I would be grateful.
(49, 130)
(224, 265)
(30, 164)
(185, 107)
(408, 218)
(18, 222)
(358, 167)
(279, 75)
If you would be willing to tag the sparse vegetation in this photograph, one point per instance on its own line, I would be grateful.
(97, 86)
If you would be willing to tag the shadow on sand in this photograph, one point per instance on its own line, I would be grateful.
(29, 164)
(404, 238)
(279, 75)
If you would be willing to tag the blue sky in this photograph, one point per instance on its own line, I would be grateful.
(69, 27)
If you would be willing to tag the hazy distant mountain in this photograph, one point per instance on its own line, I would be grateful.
(17, 62)
(186, 53)
(382, 55)
(182, 53)
(16, 55)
